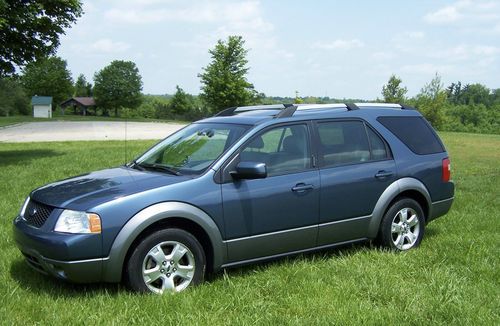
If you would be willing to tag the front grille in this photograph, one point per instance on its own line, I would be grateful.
(36, 214)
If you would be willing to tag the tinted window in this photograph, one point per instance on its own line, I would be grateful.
(415, 132)
(343, 142)
(377, 145)
(283, 149)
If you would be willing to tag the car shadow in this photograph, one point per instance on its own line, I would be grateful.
(30, 280)
(14, 157)
(431, 232)
(329, 253)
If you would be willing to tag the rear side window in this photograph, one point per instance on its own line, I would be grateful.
(415, 133)
(343, 142)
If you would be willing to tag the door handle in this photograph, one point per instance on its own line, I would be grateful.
(301, 187)
(383, 174)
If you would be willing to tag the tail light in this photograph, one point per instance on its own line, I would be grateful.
(446, 170)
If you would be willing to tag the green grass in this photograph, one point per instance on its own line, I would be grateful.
(452, 278)
(12, 120)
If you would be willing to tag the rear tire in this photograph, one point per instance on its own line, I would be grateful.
(403, 225)
(168, 260)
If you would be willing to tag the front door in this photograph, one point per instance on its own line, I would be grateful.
(280, 213)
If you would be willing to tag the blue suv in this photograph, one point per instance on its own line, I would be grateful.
(247, 185)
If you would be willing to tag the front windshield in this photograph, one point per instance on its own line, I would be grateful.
(191, 150)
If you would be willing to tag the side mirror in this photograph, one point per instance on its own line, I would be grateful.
(250, 170)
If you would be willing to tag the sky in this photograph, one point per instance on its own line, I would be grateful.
(340, 49)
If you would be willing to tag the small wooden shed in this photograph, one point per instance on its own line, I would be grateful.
(42, 106)
(82, 104)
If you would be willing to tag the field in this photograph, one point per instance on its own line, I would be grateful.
(452, 278)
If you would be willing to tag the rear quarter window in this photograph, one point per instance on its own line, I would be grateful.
(415, 133)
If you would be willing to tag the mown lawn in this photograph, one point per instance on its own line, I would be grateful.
(453, 278)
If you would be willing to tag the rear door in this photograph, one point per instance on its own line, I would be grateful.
(356, 167)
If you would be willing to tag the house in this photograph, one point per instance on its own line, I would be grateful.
(42, 106)
(80, 103)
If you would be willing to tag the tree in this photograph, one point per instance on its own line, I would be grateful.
(432, 100)
(393, 92)
(13, 99)
(82, 87)
(30, 29)
(48, 77)
(224, 82)
(181, 103)
(118, 85)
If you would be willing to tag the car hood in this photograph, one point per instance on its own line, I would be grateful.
(89, 190)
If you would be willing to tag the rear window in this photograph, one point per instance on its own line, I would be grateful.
(415, 133)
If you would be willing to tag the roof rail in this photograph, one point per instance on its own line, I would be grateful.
(376, 104)
(288, 110)
(238, 109)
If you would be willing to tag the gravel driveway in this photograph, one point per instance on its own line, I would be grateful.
(86, 130)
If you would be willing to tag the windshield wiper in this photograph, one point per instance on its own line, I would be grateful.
(157, 167)
(135, 165)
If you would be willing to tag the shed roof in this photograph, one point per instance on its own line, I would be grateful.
(41, 100)
(84, 101)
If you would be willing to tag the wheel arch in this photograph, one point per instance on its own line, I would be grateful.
(404, 187)
(166, 214)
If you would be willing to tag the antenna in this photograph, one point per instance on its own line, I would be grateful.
(126, 120)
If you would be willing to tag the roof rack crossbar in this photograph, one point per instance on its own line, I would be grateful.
(287, 112)
(226, 112)
(407, 107)
(351, 106)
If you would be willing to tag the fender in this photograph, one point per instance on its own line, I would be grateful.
(113, 266)
(388, 195)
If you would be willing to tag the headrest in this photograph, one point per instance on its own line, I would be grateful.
(257, 143)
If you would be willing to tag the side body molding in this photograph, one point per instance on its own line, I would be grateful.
(388, 195)
(112, 269)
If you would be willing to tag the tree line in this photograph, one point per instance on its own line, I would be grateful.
(30, 30)
(457, 107)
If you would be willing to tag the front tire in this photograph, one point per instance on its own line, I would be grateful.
(168, 260)
(403, 225)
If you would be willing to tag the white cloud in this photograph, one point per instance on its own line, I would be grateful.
(339, 44)
(145, 12)
(444, 15)
(109, 46)
(467, 12)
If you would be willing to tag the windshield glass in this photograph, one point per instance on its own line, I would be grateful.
(191, 150)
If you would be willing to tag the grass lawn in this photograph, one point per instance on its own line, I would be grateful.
(453, 278)
(6, 121)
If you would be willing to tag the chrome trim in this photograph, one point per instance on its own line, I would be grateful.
(83, 261)
(345, 220)
(296, 229)
(442, 201)
(271, 233)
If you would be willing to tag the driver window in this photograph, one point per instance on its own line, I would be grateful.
(283, 149)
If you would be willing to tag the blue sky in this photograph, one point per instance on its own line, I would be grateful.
(334, 48)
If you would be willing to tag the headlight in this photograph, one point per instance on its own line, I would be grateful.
(78, 222)
(23, 208)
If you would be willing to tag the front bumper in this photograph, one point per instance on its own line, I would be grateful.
(64, 256)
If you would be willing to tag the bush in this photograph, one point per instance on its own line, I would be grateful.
(13, 99)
